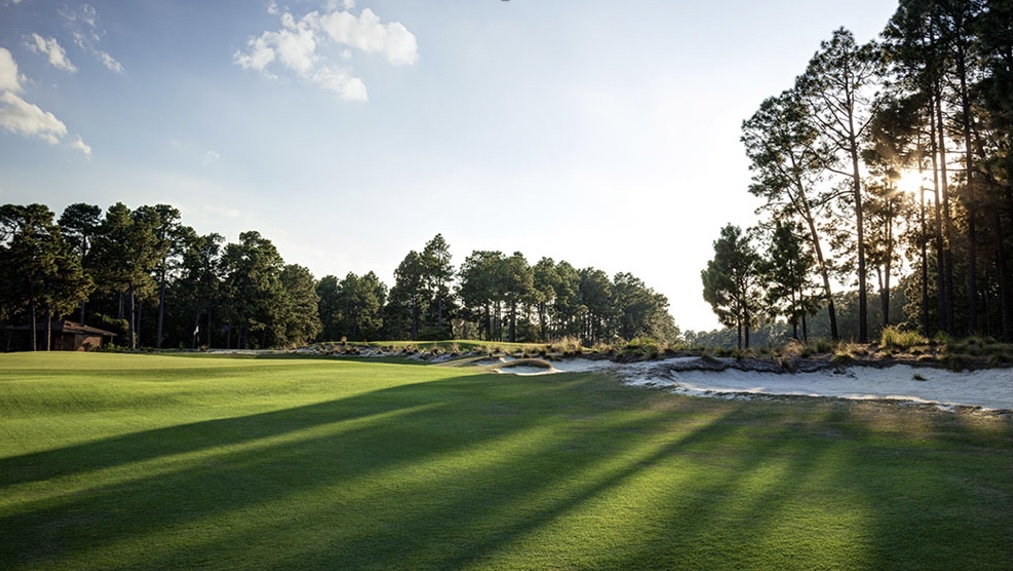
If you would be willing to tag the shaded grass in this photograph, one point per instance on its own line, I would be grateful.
(149, 462)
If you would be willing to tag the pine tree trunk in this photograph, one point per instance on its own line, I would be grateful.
(938, 215)
(889, 269)
(947, 220)
(863, 295)
(824, 271)
(35, 328)
(132, 326)
(140, 311)
(49, 327)
(971, 202)
(161, 312)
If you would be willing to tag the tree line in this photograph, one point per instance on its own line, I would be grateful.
(886, 165)
(155, 282)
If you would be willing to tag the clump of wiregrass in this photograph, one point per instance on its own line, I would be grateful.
(788, 354)
(894, 339)
(641, 348)
(567, 347)
(848, 352)
(821, 346)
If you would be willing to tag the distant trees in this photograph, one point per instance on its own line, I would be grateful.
(352, 308)
(437, 276)
(199, 286)
(156, 282)
(731, 282)
(787, 271)
(269, 303)
(125, 252)
(39, 271)
(79, 225)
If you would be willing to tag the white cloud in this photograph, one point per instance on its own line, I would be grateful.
(51, 48)
(87, 35)
(110, 63)
(261, 53)
(210, 157)
(9, 80)
(80, 145)
(341, 82)
(301, 47)
(367, 34)
(295, 44)
(20, 116)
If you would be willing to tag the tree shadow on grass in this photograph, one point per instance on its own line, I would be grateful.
(482, 472)
(230, 464)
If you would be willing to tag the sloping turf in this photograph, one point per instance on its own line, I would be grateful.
(172, 462)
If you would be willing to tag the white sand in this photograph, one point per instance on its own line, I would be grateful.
(990, 389)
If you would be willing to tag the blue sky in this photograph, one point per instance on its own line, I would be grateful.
(348, 133)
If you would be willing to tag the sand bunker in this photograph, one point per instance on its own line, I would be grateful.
(525, 367)
(989, 389)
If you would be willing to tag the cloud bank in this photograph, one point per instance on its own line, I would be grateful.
(301, 47)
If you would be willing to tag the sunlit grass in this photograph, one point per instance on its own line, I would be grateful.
(155, 462)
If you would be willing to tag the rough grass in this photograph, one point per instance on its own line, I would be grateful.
(154, 462)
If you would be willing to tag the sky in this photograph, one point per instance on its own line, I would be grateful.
(350, 132)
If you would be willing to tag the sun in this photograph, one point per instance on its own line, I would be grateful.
(910, 181)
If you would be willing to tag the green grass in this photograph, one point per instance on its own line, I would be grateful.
(156, 462)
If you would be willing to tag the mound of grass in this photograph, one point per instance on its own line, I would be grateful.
(158, 462)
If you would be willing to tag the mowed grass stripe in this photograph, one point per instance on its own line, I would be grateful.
(173, 462)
